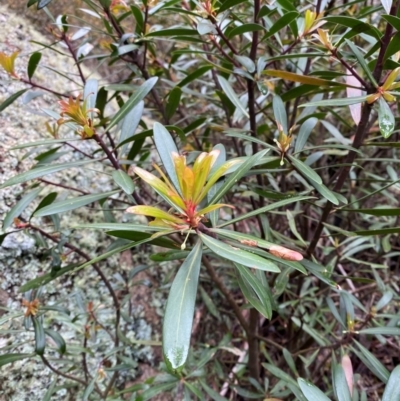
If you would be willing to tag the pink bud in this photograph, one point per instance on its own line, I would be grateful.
(348, 372)
(285, 253)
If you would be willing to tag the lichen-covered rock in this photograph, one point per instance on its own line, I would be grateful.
(22, 254)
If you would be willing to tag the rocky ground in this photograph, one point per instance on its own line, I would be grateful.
(21, 257)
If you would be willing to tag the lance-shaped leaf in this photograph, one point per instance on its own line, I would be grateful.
(254, 291)
(178, 319)
(135, 98)
(280, 114)
(340, 384)
(164, 189)
(230, 93)
(18, 208)
(386, 119)
(392, 390)
(154, 212)
(211, 208)
(238, 255)
(42, 171)
(166, 147)
(235, 176)
(73, 203)
(311, 392)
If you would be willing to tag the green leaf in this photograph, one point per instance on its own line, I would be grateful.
(119, 226)
(311, 392)
(304, 133)
(197, 73)
(123, 181)
(42, 171)
(166, 146)
(46, 278)
(19, 207)
(43, 3)
(377, 211)
(392, 389)
(385, 331)
(173, 32)
(228, 4)
(336, 102)
(178, 318)
(72, 203)
(386, 119)
(324, 191)
(40, 337)
(394, 21)
(283, 21)
(361, 61)
(31, 3)
(33, 62)
(237, 175)
(304, 170)
(137, 236)
(90, 387)
(340, 383)
(10, 358)
(280, 113)
(212, 393)
(393, 46)
(264, 209)
(174, 98)
(254, 291)
(240, 30)
(90, 94)
(11, 99)
(138, 15)
(371, 362)
(43, 143)
(357, 25)
(57, 338)
(230, 93)
(135, 98)
(238, 255)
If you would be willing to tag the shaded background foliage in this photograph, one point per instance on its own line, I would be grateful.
(250, 76)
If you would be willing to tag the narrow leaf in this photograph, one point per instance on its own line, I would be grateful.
(392, 390)
(386, 119)
(40, 337)
(10, 358)
(124, 181)
(42, 171)
(341, 387)
(305, 170)
(264, 209)
(280, 114)
(72, 203)
(135, 98)
(311, 392)
(57, 338)
(166, 146)
(230, 93)
(336, 102)
(178, 318)
(237, 175)
(18, 208)
(11, 99)
(387, 5)
(33, 63)
(238, 255)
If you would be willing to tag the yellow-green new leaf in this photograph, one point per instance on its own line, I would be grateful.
(154, 212)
